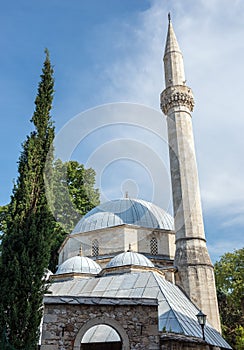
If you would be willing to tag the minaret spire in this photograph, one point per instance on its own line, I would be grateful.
(195, 271)
(173, 59)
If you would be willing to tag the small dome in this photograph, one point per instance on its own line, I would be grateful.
(79, 264)
(129, 258)
(125, 211)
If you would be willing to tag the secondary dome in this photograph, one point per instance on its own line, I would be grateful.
(125, 211)
(79, 264)
(129, 258)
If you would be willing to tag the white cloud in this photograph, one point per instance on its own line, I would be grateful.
(210, 34)
(237, 219)
(222, 246)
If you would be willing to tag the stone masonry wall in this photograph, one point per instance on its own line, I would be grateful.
(180, 342)
(62, 323)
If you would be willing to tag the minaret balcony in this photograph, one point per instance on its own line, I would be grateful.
(176, 96)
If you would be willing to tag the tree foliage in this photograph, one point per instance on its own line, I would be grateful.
(229, 275)
(71, 195)
(28, 228)
(73, 192)
(3, 217)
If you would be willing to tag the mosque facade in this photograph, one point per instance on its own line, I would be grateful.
(131, 276)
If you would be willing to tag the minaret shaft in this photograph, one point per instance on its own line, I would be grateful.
(184, 177)
(195, 270)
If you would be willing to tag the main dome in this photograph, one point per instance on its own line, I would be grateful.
(125, 211)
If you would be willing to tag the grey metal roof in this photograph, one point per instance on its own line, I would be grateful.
(130, 258)
(125, 211)
(176, 312)
(79, 264)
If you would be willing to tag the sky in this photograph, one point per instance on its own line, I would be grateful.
(107, 58)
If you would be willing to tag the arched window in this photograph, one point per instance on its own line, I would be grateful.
(154, 246)
(101, 337)
(95, 247)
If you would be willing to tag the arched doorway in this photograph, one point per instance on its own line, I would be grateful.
(101, 337)
(114, 336)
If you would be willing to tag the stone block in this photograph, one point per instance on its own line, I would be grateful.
(50, 318)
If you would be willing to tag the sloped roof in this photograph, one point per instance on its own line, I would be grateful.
(125, 211)
(176, 312)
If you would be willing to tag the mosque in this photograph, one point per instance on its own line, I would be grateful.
(132, 277)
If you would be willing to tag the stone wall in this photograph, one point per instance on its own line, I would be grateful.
(136, 321)
(113, 240)
(173, 341)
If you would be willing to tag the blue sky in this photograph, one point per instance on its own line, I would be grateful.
(110, 51)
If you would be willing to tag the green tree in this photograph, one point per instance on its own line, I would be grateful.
(229, 275)
(29, 228)
(72, 196)
(73, 192)
(3, 217)
(239, 338)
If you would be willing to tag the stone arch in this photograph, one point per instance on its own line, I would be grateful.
(102, 320)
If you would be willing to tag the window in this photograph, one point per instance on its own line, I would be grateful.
(154, 246)
(95, 247)
(101, 337)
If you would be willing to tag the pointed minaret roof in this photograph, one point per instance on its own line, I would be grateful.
(171, 41)
(173, 60)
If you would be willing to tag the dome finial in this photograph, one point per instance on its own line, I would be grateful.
(126, 194)
(80, 251)
(129, 250)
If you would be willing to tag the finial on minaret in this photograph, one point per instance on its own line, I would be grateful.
(169, 17)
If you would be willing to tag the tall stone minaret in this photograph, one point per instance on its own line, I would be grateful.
(195, 271)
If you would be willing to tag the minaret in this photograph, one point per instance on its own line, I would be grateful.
(195, 271)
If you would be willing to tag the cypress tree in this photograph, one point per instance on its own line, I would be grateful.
(29, 228)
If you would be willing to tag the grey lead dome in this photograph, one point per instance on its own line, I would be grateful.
(79, 264)
(130, 258)
(125, 211)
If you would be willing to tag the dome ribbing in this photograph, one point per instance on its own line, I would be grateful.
(79, 264)
(125, 211)
(129, 258)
